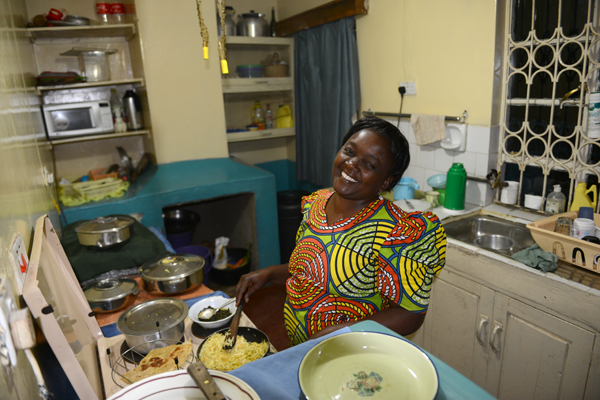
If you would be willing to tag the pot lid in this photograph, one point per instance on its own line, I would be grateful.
(76, 51)
(110, 289)
(252, 14)
(105, 224)
(175, 266)
(151, 316)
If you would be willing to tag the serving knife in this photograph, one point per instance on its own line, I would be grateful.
(231, 335)
(205, 381)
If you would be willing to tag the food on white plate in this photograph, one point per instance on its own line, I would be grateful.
(158, 361)
(214, 357)
(220, 314)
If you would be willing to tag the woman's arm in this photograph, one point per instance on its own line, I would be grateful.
(251, 282)
(395, 318)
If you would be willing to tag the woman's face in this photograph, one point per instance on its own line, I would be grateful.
(362, 167)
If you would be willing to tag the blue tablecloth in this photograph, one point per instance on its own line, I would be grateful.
(276, 376)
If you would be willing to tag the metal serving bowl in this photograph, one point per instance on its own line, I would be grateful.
(173, 274)
(104, 232)
(110, 294)
(151, 320)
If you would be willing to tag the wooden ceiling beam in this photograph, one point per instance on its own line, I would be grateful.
(329, 12)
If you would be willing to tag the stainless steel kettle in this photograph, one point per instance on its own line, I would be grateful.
(252, 24)
(230, 29)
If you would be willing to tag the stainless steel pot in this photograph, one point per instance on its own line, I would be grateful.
(104, 232)
(152, 320)
(252, 24)
(173, 274)
(230, 29)
(110, 294)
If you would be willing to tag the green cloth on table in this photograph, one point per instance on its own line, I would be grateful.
(537, 258)
(89, 262)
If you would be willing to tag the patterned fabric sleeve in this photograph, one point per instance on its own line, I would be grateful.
(305, 206)
(412, 254)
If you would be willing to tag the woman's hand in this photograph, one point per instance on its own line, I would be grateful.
(251, 282)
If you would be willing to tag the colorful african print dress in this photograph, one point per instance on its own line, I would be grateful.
(356, 267)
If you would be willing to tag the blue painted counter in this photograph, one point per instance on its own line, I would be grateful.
(195, 180)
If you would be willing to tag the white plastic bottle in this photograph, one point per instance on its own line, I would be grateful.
(555, 204)
(269, 117)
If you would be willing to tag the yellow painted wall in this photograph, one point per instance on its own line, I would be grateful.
(23, 197)
(446, 47)
(184, 90)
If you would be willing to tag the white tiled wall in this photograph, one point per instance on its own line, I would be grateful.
(478, 159)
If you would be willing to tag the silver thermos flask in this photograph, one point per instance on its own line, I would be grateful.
(133, 110)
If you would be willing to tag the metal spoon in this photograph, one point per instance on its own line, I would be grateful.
(208, 312)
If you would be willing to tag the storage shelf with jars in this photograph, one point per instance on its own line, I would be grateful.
(141, 132)
(261, 69)
(89, 31)
(138, 83)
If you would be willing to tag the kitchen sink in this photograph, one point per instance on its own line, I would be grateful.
(490, 233)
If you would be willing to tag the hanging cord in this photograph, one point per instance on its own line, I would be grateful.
(203, 32)
(401, 90)
(222, 55)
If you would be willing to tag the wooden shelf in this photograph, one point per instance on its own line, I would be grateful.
(260, 135)
(87, 31)
(139, 82)
(261, 40)
(99, 137)
(251, 85)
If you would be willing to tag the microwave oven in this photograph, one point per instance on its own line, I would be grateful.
(77, 119)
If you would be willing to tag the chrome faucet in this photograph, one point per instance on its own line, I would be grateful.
(493, 178)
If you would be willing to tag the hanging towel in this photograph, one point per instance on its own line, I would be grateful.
(428, 128)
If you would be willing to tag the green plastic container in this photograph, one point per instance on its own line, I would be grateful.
(456, 183)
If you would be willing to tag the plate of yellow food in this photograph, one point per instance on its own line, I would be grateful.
(251, 344)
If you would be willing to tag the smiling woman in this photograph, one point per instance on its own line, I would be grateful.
(357, 255)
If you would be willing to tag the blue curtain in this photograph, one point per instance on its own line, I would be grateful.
(327, 96)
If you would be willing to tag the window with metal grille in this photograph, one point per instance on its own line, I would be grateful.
(552, 62)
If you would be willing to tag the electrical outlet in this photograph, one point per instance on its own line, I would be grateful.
(411, 87)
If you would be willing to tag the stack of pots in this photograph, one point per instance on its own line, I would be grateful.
(180, 225)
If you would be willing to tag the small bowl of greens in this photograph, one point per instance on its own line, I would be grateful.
(221, 316)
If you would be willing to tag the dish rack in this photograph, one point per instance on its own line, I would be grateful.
(130, 358)
(82, 192)
(569, 249)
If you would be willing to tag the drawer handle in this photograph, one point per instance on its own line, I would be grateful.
(261, 82)
(265, 133)
(495, 333)
(482, 323)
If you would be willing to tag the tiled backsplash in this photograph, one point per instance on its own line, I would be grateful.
(479, 158)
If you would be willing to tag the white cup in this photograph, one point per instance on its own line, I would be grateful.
(509, 195)
(583, 227)
(533, 202)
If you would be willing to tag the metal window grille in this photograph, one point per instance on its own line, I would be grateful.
(551, 63)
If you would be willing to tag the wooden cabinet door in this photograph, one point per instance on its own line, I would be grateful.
(457, 324)
(535, 355)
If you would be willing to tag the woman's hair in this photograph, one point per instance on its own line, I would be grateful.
(399, 148)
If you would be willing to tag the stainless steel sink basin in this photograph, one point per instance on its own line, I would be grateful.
(490, 233)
